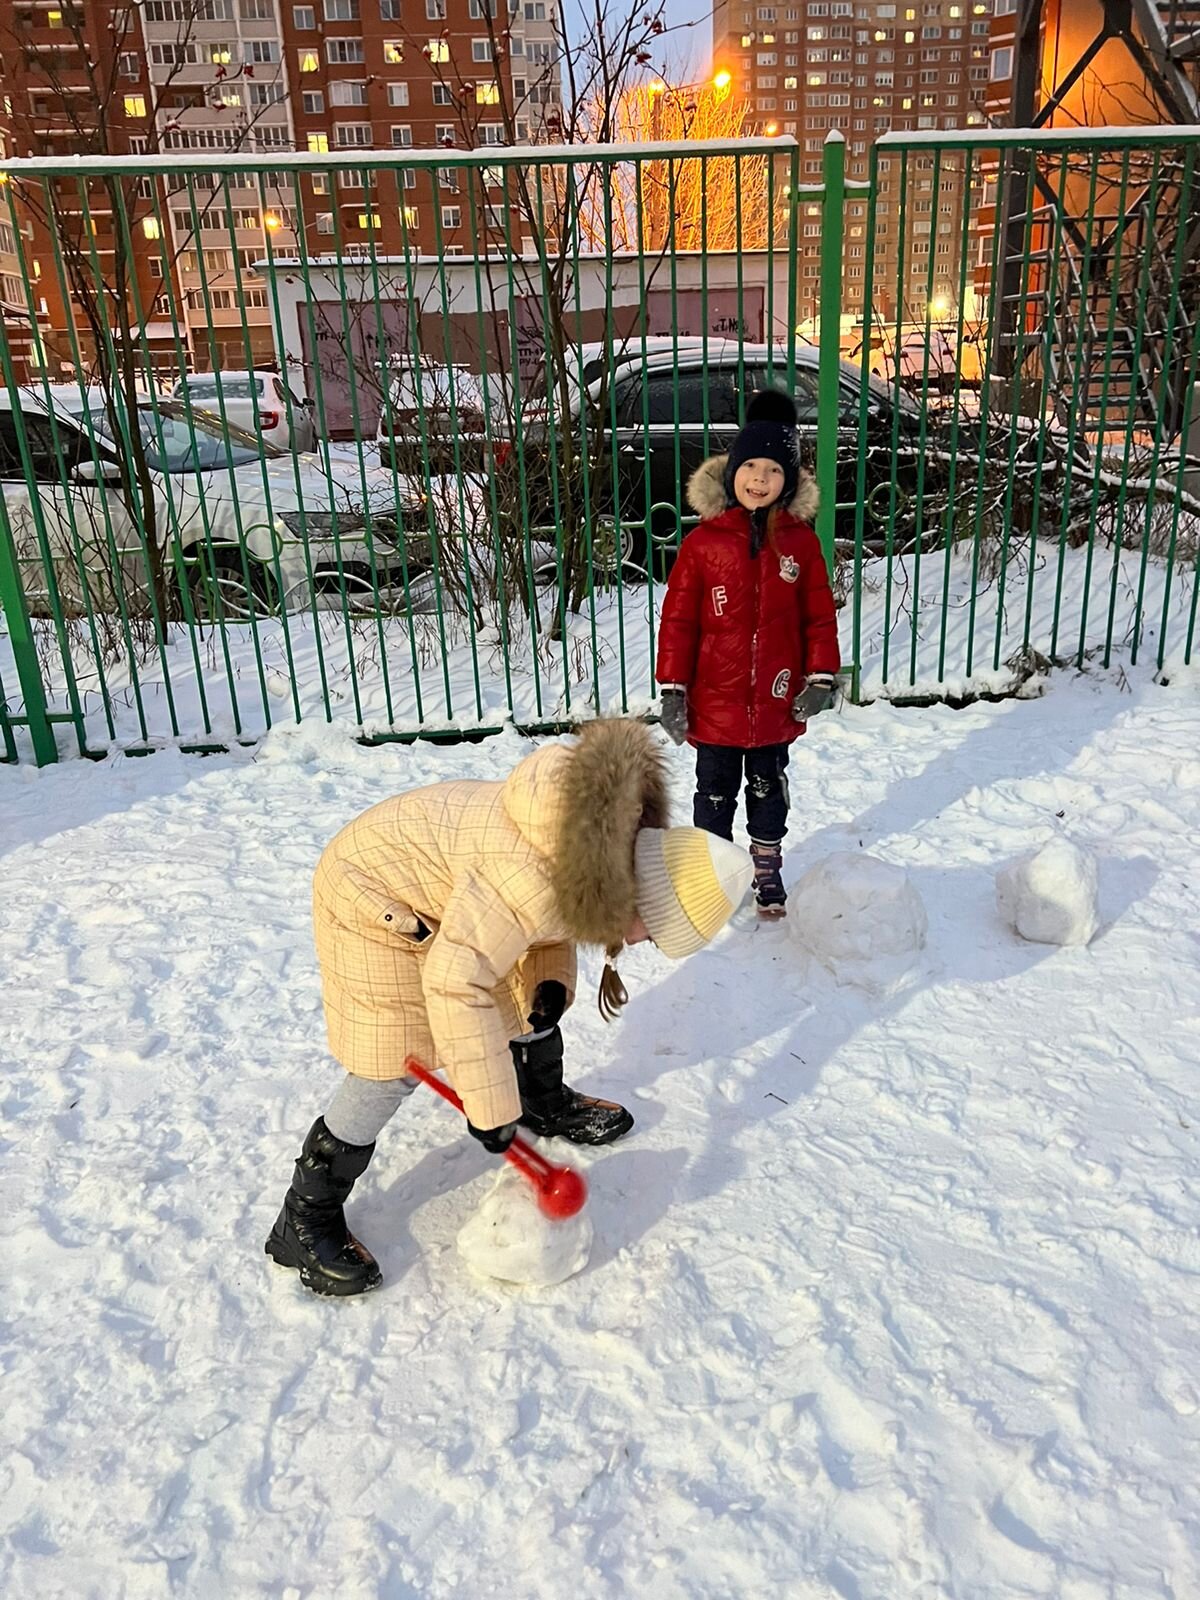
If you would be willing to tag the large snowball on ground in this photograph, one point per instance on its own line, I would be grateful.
(510, 1239)
(1051, 895)
(861, 918)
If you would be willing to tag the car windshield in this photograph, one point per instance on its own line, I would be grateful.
(178, 440)
(889, 393)
(231, 388)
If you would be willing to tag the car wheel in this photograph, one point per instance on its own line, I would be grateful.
(222, 586)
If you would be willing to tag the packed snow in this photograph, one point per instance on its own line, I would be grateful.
(508, 1237)
(861, 917)
(892, 1294)
(1051, 895)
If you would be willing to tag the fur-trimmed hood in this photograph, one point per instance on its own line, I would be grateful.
(581, 806)
(706, 492)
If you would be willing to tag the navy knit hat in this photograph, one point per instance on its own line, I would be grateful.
(769, 435)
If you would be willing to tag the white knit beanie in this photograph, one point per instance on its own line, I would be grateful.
(689, 884)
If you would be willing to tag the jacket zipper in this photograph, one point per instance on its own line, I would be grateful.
(757, 564)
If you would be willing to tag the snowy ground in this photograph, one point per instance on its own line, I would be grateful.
(892, 1298)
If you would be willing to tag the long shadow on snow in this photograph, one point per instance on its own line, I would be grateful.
(710, 1010)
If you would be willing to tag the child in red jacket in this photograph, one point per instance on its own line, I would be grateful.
(748, 646)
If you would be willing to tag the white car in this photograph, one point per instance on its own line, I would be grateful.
(443, 416)
(244, 526)
(260, 403)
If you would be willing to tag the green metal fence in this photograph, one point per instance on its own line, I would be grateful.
(455, 501)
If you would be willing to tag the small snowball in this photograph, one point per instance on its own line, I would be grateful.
(860, 917)
(510, 1239)
(1051, 895)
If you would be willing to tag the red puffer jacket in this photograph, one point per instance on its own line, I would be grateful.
(741, 633)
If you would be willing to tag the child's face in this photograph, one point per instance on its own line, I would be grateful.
(758, 483)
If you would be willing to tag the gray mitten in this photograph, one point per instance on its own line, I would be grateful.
(674, 713)
(815, 697)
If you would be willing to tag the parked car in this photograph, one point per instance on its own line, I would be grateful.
(260, 403)
(932, 360)
(249, 526)
(654, 418)
(444, 419)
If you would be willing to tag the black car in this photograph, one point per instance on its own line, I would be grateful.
(653, 419)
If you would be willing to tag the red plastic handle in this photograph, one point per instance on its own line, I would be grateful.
(561, 1190)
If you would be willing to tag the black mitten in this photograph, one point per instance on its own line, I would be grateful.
(497, 1140)
(549, 1003)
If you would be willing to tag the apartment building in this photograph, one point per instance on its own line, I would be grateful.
(53, 55)
(863, 67)
(202, 77)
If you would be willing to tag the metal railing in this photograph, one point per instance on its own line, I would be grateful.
(483, 429)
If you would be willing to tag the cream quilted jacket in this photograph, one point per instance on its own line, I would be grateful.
(437, 913)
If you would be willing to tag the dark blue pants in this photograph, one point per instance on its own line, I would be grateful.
(719, 770)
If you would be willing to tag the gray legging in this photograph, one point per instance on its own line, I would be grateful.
(363, 1107)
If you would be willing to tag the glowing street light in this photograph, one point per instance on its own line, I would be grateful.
(723, 79)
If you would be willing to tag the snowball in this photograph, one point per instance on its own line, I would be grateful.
(509, 1238)
(860, 917)
(1051, 895)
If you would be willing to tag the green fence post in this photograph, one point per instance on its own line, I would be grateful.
(833, 225)
(20, 631)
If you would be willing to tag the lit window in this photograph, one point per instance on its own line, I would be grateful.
(410, 216)
(318, 144)
(369, 220)
(309, 61)
(393, 52)
(487, 94)
(150, 228)
(135, 105)
(438, 51)
(54, 19)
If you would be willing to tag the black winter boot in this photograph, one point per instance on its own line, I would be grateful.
(310, 1232)
(550, 1109)
(769, 892)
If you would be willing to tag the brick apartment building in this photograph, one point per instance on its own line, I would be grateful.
(199, 77)
(863, 67)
